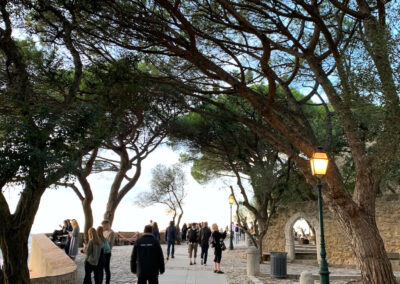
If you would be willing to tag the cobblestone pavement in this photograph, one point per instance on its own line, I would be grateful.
(233, 264)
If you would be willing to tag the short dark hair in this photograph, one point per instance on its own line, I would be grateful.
(148, 229)
(105, 222)
(172, 223)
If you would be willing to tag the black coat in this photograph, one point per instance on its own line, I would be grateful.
(218, 239)
(147, 257)
(205, 234)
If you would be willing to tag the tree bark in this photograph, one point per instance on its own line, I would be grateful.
(87, 202)
(357, 218)
(87, 211)
(179, 219)
(14, 245)
(117, 194)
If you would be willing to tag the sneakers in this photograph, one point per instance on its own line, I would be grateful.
(202, 262)
(205, 264)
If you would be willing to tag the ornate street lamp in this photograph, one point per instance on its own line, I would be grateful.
(319, 164)
(231, 201)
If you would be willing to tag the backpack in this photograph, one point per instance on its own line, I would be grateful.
(192, 236)
(106, 247)
(211, 241)
(236, 229)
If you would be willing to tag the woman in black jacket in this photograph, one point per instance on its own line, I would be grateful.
(217, 239)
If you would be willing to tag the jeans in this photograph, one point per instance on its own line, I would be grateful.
(107, 259)
(204, 252)
(88, 273)
(100, 267)
(237, 237)
(151, 279)
(171, 243)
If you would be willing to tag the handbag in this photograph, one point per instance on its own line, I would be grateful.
(223, 246)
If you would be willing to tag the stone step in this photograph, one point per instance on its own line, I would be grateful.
(305, 255)
(306, 261)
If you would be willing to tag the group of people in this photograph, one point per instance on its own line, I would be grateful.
(98, 253)
(199, 234)
(147, 259)
(71, 229)
(97, 250)
(240, 232)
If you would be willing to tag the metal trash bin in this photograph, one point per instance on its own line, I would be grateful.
(278, 264)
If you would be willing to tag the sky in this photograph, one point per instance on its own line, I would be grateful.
(203, 202)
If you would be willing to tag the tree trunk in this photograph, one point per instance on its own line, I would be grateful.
(369, 249)
(262, 231)
(87, 210)
(14, 245)
(179, 219)
(110, 212)
(357, 218)
(86, 201)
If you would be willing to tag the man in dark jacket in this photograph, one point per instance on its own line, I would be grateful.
(147, 259)
(171, 235)
(193, 237)
(205, 234)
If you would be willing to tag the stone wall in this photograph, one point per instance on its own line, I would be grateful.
(49, 264)
(338, 248)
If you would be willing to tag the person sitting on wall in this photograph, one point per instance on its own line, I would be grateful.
(61, 232)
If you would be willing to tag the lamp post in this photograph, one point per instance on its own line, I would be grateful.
(319, 164)
(231, 200)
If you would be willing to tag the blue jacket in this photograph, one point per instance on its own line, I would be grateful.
(171, 234)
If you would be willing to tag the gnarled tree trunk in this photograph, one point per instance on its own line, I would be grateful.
(357, 218)
(14, 245)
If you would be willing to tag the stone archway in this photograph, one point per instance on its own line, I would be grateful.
(289, 238)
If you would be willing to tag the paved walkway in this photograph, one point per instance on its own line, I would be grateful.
(177, 270)
(234, 263)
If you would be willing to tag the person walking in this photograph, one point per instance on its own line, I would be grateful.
(184, 232)
(193, 240)
(92, 251)
(74, 243)
(244, 230)
(217, 242)
(156, 232)
(105, 250)
(147, 259)
(171, 235)
(237, 233)
(205, 234)
(109, 235)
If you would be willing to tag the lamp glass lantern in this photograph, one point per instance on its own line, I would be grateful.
(319, 163)
(231, 199)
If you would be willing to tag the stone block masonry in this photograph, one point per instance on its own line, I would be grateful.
(339, 253)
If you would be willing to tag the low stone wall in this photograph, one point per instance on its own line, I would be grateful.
(50, 264)
(338, 247)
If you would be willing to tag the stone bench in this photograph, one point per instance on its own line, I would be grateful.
(49, 264)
